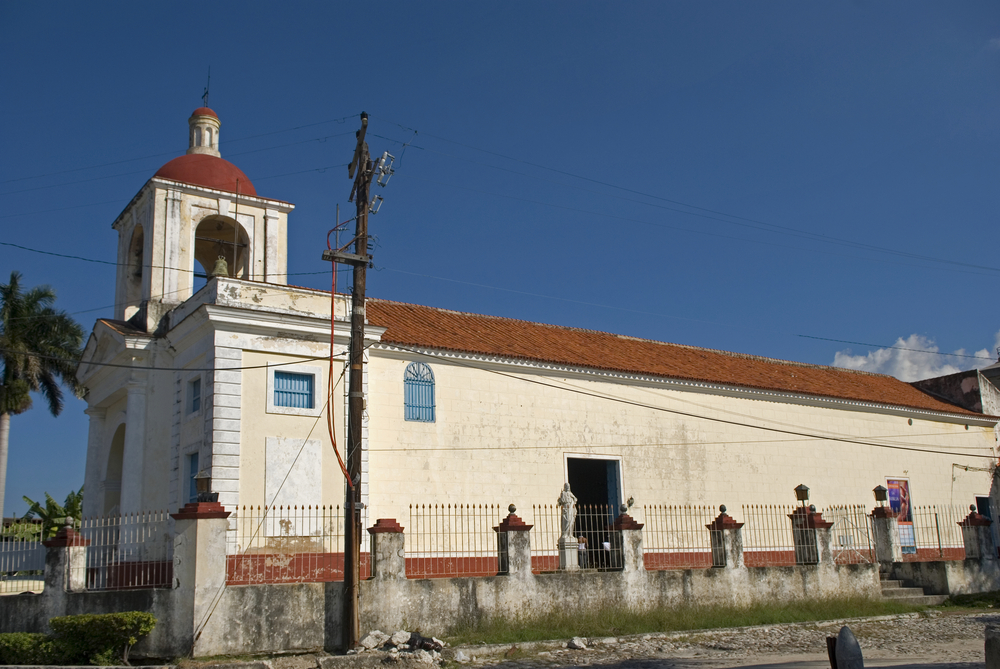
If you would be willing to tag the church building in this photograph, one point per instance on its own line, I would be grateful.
(213, 363)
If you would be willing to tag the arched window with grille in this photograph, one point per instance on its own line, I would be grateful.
(418, 392)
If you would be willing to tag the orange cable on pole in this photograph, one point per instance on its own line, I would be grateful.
(329, 404)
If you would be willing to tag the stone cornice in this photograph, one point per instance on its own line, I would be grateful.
(282, 324)
(212, 193)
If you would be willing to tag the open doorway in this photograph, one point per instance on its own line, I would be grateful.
(984, 506)
(596, 482)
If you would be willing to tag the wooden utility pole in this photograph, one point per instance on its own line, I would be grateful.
(356, 398)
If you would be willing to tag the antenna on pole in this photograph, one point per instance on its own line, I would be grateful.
(365, 172)
(204, 96)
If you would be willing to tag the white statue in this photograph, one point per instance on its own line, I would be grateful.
(567, 500)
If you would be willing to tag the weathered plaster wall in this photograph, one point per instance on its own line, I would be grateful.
(500, 439)
(956, 577)
(31, 613)
(264, 618)
(258, 425)
(436, 605)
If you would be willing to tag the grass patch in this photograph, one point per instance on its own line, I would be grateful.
(619, 621)
(980, 600)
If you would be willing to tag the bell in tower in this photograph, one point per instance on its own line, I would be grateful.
(197, 220)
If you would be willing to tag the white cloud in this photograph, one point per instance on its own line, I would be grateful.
(915, 358)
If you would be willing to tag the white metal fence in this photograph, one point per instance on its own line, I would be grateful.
(133, 550)
(445, 540)
(22, 558)
(287, 544)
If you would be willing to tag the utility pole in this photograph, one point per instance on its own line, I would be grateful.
(361, 164)
(362, 169)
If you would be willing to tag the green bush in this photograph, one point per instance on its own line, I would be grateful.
(99, 638)
(25, 648)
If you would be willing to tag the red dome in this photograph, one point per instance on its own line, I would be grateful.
(200, 169)
(204, 111)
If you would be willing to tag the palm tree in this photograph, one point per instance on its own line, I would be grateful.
(54, 515)
(39, 349)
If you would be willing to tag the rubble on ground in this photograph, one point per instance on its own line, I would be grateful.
(401, 644)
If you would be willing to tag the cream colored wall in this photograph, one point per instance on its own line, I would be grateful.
(257, 425)
(301, 301)
(157, 459)
(503, 440)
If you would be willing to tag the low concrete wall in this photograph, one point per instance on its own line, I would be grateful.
(202, 616)
(265, 618)
(436, 605)
(956, 577)
(31, 613)
(307, 616)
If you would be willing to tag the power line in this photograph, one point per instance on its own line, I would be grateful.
(687, 414)
(76, 206)
(145, 171)
(299, 360)
(728, 442)
(898, 348)
(733, 219)
(115, 264)
(227, 142)
(661, 225)
(520, 292)
(683, 318)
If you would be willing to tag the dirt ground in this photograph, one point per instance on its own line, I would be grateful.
(940, 640)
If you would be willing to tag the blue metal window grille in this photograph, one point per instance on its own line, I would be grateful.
(418, 392)
(293, 390)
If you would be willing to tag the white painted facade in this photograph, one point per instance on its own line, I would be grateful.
(183, 372)
(504, 430)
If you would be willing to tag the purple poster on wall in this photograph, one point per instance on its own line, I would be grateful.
(900, 503)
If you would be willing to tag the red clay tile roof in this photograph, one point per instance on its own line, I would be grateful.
(414, 325)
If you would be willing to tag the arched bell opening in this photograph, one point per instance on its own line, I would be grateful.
(135, 268)
(221, 237)
(113, 472)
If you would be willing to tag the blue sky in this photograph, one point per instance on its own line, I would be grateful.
(754, 177)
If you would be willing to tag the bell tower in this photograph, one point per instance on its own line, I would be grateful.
(196, 211)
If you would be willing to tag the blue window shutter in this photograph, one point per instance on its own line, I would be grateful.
(293, 390)
(418, 393)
